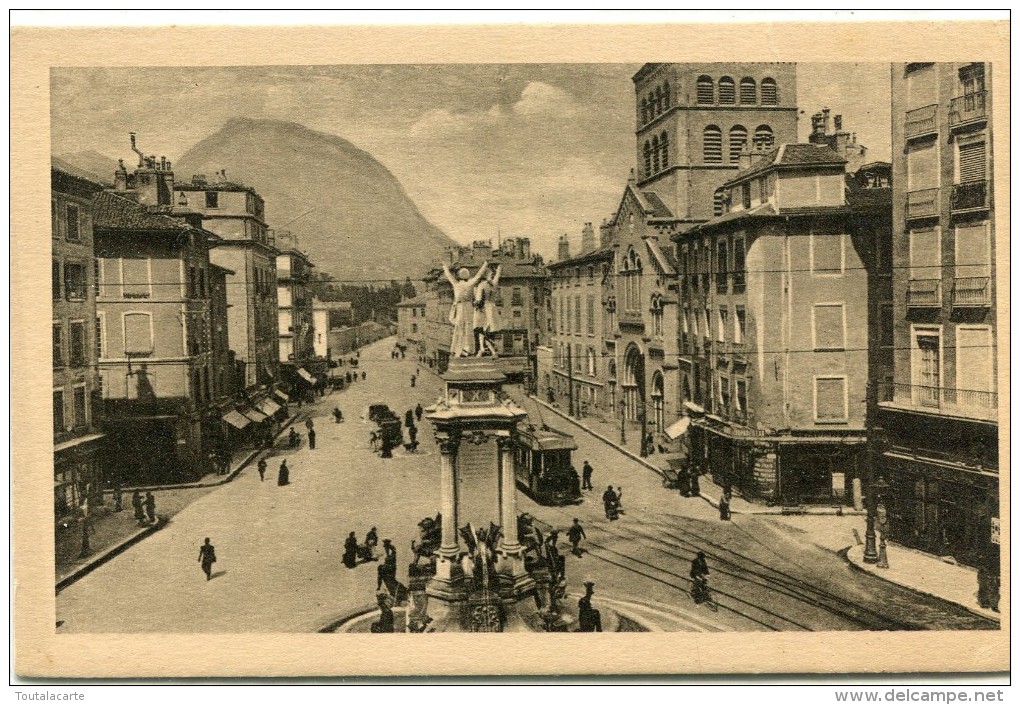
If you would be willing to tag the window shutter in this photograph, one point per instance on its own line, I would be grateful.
(972, 162)
(137, 333)
(829, 395)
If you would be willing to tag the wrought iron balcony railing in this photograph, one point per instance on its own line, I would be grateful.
(924, 293)
(921, 121)
(923, 203)
(966, 109)
(969, 403)
(972, 292)
(969, 196)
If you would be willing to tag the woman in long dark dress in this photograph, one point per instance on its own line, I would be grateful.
(283, 478)
(350, 558)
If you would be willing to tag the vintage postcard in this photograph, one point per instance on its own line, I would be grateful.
(668, 348)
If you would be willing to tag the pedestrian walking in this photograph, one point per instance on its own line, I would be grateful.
(586, 473)
(418, 412)
(283, 477)
(611, 503)
(575, 533)
(575, 482)
(137, 505)
(387, 571)
(150, 507)
(309, 424)
(207, 556)
(311, 439)
(118, 499)
(338, 415)
(412, 434)
(724, 503)
(292, 438)
(409, 418)
(86, 533)
(262, 469)
(413, 380)
(588, 618)
(350, 558)
(363, 375)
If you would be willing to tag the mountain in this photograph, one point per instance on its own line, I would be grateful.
(350, 214)
(88, 163)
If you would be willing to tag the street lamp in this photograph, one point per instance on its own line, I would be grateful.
(877, 490)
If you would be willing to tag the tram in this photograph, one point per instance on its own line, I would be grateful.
(543, 466)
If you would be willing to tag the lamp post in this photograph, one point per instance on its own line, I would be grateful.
(871, 552)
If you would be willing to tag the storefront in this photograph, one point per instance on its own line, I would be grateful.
(77, 474)
(940, 507)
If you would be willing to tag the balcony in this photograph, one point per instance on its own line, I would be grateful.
(922, 204)
(739, 282)
(924, 293)
(968, 403)
(921, 122)
(722, 282)
(970, 196)
(967, 110)
(972, 292)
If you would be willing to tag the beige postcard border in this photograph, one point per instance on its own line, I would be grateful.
(39, 651)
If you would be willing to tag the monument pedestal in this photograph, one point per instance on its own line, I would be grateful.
(448, 582)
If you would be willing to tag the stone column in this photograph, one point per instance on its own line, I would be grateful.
(508, 492)
(449, 575)
(514, 579)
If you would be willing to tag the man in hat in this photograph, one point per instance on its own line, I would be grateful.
(262, 469)
(150, 507)
(586, 472)
(575, 533)
(588, 618)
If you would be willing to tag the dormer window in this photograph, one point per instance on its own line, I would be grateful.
(212, 199)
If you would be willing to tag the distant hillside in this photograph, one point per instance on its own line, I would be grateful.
(361, 224)
(89, 163)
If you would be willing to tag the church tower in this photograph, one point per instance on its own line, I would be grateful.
(694, 120)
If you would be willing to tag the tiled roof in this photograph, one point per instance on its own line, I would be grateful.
(664, 258)
(583, 258)
(792, 155)
(113, 212)
(654, 205)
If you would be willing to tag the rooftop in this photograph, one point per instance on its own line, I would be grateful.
(790, 156)
(593, 256)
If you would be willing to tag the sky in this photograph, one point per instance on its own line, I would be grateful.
(515, 149)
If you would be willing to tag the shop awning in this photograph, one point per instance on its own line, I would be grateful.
(282, 396)
(268, 406)
(678, 428)
(255, 415)
(75, 442)
(236, 419)
(303, 373)
(691, 406)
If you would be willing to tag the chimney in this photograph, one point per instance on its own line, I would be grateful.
(524, 244)
(198, 180)
(838, 123)
(587, 238)
(825, 119)
(154, 182)
(120, 176)
(563, 248)
(605, 233)
(818, 130)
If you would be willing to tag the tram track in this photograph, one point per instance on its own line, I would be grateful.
(785, 583)
(763, 617)
(752, 573)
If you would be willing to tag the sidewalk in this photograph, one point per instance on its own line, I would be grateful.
(114, 532)
(609, 433)
(925, 573)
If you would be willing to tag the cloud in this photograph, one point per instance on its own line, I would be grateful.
(541, 100)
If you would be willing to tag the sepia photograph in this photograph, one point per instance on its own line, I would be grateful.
(705, 348)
